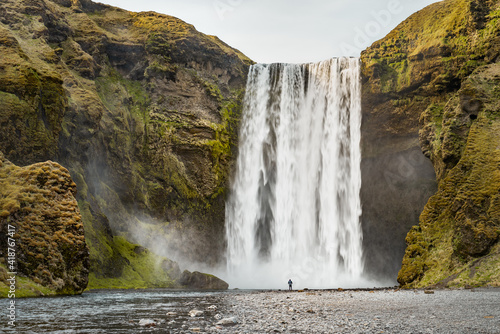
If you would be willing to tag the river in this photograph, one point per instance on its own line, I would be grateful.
(115, 311)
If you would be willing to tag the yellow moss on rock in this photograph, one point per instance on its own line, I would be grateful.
(462, 221)
(118, 98)
(50, 247)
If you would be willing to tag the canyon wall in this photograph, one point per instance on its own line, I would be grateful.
(142, 110)
(430, 91)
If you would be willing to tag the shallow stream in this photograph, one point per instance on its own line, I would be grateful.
(116, 311)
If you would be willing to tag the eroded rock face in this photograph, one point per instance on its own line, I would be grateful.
(140, 107)
(456, 242)
(38, 203)
(419, 95)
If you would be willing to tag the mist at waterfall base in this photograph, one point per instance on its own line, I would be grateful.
(294, 206)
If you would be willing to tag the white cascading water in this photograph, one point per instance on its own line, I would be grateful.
(294, 207)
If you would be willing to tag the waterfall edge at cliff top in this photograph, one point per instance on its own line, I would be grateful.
(294, 208)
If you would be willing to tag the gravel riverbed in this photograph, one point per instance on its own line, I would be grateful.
(379, 311)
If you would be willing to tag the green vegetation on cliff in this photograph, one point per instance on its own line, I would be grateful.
(435, 48)
(456, 243)
(49, 243)
(431, 76)
(143, 111)
(144, 270)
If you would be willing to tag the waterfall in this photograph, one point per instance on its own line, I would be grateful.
(293, 209)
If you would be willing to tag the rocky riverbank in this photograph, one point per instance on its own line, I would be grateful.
(381, 311)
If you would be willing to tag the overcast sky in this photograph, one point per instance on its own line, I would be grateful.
(289, 31)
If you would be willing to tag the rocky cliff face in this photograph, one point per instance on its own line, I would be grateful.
(431, 84)
(140, 107)
(40, 215)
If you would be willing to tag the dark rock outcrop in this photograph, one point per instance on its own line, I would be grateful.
(197, 280)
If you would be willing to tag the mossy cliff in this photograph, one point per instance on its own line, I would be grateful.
(432, 84)
(143, 111)
(42, 231)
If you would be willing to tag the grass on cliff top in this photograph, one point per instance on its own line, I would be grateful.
(151, 21)
(432, 26)
(447, 24)
(227, 49)
(141, 25)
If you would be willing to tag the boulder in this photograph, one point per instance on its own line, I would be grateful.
(39, 213)
(197, 280)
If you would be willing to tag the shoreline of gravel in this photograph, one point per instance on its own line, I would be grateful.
(387, 310)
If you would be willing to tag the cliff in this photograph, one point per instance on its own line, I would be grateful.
(143, 111)
(431, 85)
(42, 232)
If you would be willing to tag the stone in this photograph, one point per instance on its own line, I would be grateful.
(195, 313)
(172, 268)
(147, 323)
(231, 321)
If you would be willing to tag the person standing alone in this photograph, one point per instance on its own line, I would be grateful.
(290, 284)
